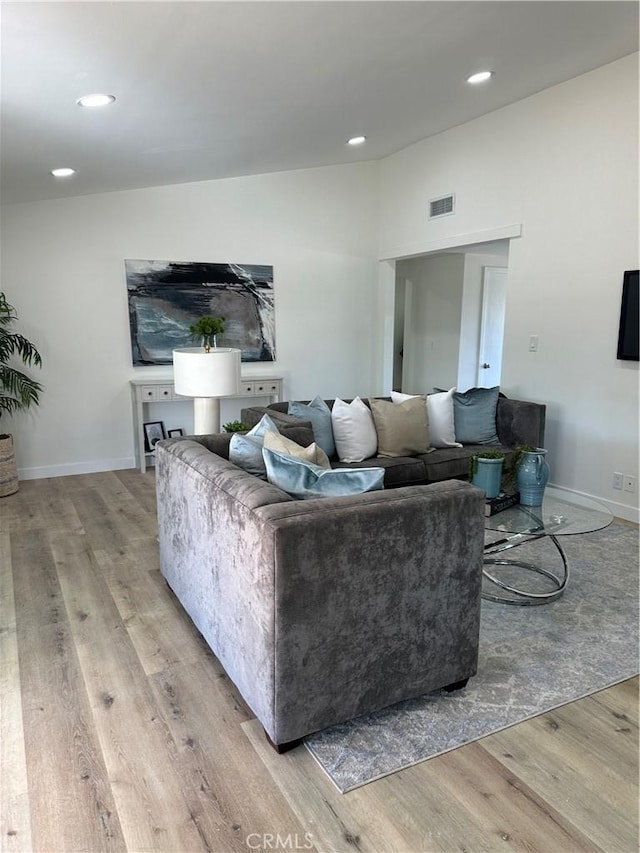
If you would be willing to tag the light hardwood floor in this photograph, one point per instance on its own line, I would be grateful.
(120, 731)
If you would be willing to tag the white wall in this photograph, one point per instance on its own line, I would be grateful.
(564, 164)
(63, 269)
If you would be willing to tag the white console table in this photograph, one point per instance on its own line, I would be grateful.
(144, 391)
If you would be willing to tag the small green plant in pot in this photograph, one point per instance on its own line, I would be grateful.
(236, 426)
(206, 329)
(485, 471)
(18, 391)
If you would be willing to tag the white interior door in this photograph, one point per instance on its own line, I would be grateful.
(494, 300)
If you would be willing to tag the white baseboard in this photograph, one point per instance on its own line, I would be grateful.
(75, 468)
(619, 510)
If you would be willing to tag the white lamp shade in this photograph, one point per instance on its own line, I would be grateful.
(197, 373)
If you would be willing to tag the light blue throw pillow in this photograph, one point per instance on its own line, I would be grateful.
(245, 451)
(319, 414)
(474, 416)
(305, 480)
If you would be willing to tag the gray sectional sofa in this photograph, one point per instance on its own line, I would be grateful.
(324, 609)
(518, 422)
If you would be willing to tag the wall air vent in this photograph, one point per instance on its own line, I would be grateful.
(441, 206)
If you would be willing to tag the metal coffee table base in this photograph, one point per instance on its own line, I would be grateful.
(524, 597)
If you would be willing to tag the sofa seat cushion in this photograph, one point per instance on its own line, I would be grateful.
(398, 470)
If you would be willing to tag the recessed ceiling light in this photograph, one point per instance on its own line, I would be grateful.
(356, 140)
(96, 100)
(63, 173)
(480, 77)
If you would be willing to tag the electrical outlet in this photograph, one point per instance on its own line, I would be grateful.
(618, 480)
(630, 483)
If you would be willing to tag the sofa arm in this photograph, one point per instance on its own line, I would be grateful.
(520, 422)
(376, 600)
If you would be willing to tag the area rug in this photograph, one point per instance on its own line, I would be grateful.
(532, 659)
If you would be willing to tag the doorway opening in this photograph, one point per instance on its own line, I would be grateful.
(449, 312)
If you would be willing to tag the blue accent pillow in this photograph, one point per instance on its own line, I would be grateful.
(305, 480)
(474, 416)
(245, 451)
(319, 414)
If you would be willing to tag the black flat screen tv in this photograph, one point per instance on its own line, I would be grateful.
(628, 334)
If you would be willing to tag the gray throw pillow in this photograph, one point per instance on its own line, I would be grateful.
(319, 414)
(474, 415)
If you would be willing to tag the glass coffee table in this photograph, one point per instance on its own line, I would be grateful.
(561, 514)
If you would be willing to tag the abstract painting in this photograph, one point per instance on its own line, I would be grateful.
(165, 297)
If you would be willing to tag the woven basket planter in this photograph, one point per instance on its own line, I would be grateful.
(8, 470)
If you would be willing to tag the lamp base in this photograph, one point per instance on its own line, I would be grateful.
(206, 415)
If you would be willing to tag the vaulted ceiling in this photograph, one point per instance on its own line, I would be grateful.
(218, 89)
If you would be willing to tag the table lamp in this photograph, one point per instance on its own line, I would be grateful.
(206, 376)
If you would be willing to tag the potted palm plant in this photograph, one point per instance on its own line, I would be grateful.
(17, 390)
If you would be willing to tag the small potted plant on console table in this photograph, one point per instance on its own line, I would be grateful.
(207, 329)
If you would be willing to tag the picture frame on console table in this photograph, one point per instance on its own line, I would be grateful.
(175, 433)
(153, 431)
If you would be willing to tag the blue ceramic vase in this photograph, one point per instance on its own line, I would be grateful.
(532, 476)
(488, 476)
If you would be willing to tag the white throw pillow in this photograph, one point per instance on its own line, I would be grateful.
(440, 414)
(354, 431)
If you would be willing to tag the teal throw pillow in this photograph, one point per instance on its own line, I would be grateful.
(305, 480)
(319, 414)
(474, 416)
(245, 451)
